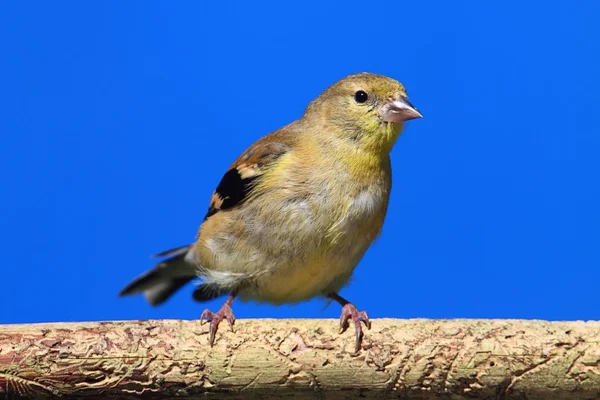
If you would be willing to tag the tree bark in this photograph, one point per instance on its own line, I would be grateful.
(420, 359)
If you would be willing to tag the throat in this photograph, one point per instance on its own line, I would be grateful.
(375, 136)
(382, 140)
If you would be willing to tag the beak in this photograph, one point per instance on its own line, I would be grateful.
(398, 111)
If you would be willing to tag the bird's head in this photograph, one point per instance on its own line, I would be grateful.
(366, 108)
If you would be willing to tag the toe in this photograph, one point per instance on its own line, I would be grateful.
(344, 318)
(212, 332)
(206, 315)
(365, 318)
(230, 317)
(359, 336)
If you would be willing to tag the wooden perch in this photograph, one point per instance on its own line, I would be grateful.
(420, 359)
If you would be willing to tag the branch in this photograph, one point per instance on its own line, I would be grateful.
(421, 359)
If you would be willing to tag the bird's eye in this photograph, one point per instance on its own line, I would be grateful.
(361, 96)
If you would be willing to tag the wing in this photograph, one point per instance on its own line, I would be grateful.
(239, 180)
(236, 186)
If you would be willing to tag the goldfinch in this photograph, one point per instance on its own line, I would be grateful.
(294, 214)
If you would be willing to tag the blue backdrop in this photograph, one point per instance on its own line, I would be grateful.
(119, 118)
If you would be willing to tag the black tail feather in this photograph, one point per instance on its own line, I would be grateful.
(165, 279)
(176, 251)
(159, 293)
(141, 283)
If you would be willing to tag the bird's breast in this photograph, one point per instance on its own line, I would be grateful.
(331, 243)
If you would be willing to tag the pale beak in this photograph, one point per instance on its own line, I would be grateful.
(397, 111)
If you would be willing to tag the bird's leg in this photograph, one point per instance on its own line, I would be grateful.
(215, 319)
(349, 312)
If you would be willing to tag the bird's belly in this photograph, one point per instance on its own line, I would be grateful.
(329, 258)
(297, 281)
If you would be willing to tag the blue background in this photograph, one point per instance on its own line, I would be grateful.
(119, 118)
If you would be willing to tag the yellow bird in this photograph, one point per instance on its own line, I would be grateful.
(295, 213)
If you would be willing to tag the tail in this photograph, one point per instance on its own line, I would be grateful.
(169, 276)
(165, 279)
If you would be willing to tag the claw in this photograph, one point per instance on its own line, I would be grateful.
(349, 312)
(225, 312)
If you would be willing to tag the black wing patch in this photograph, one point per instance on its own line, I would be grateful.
(231, 190)
(241, 178)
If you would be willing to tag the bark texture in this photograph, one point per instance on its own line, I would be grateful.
(416, 359)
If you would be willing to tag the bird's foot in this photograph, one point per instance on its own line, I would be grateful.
(225, 312)
(349, 312)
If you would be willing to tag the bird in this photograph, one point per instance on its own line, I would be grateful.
(294, 214)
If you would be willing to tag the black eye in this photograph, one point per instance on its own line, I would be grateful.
(361, 96)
